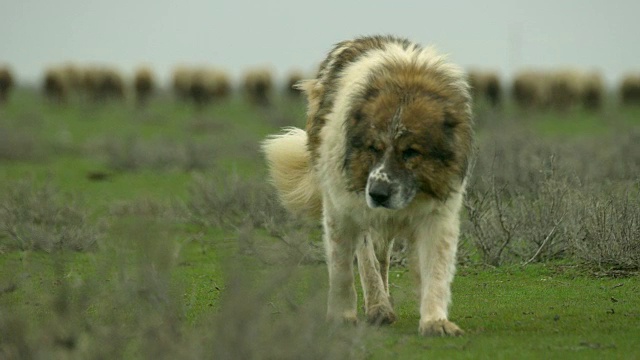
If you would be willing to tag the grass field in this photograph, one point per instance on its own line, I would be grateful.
(151, 232)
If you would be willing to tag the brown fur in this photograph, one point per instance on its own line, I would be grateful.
(293, 78)
(321, 92)
(438, 129)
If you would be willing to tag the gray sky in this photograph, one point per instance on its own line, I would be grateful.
(286, 34)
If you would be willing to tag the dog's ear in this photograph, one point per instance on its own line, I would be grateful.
(304, 85)
(313, 90)
(308, 86)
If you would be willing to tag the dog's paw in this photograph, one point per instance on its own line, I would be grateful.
(342, 319)
(440, 328)
(381, 315)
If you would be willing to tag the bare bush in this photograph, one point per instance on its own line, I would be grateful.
(271, 324)
(133, 154)
(128, 306)
(253, 209)
(149, 208)
(524, 190)
(230, 201)
(34, 217)
(16, 144)
(610, 230)
(511, 226)
(124, 307)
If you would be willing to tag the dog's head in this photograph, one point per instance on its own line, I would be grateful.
(408, 135)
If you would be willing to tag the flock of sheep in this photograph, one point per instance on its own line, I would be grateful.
(553, 89)
(531, 89)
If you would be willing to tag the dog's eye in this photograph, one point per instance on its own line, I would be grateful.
(409, 154)
(374, 150)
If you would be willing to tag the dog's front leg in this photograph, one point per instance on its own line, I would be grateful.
(340, 238)
(436, 244)
(375, 282)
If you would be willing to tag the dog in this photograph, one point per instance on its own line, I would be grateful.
(385, 155)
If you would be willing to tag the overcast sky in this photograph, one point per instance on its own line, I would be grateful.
(287, 34)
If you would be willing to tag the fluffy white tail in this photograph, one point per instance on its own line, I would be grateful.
(291, 172)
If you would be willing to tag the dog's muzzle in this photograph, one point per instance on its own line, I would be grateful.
(379, 194)
(388, 192)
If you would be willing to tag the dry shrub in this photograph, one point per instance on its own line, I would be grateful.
(150, 208)
(38, 217)
(228, 200)
(524, 192)
(609, 238)
(18, 144)
(251, 208)
(123, 306)
(128, 305)
(133, 154)
(508, 225)
(270, 321)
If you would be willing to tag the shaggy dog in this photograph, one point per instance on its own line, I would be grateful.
(384, 156)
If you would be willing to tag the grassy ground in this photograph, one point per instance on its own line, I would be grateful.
(150, 233)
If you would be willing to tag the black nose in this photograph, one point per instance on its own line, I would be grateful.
(380, 193)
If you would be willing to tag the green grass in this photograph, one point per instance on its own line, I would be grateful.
(521, 312)
(154, 271)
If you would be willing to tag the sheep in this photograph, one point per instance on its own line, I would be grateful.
(564, 89)
(485, 85)
(199, 88)
(630, 89)
(104, 84)
(144, 84)
(220, 84)
(592, 91)
(181, 82)
(55, 85)
(258, 86)
(530, 89)
(73, 76)
(208, 85)
(7, 83)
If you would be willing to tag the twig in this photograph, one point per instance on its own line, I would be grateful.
(543, 243)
